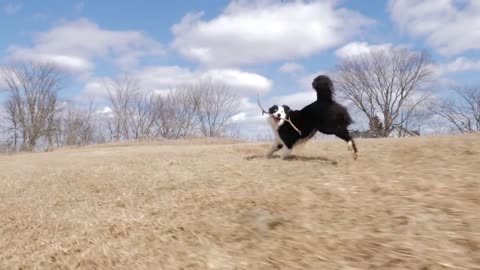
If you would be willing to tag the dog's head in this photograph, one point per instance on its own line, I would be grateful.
(278, 114)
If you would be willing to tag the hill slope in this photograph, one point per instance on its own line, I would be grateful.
(404, 204)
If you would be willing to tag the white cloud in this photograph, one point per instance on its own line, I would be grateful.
(166, 77)
(263, 31)
(105, 110)
(162, 79)
(246, 105)
(290, 67)
(295, 101)
(249, 116)
(244, 82)
(12, 9)
(95, 89)
(239, 117)
(357, 48)
(75, 45)
(252, 124)
(252, 119)
(449, 26)
(460, 64)
(81, 66)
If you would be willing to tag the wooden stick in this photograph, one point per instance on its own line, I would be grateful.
(285, 119)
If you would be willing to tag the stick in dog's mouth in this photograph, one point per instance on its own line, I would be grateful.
(288, 120)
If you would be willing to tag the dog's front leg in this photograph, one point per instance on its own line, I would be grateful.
(274, 148)
(285, 152)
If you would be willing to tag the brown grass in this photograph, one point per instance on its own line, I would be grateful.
(404, 204)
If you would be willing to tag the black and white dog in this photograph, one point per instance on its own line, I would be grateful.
(323, 115)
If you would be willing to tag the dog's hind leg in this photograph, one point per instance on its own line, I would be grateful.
(343, 134)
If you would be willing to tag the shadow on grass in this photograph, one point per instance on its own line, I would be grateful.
(294, 158)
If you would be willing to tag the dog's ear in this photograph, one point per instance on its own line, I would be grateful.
(286, 108)
(273, 109)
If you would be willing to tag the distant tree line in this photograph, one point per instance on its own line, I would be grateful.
(34, 116)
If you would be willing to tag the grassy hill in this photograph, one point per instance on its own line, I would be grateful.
(410, 203)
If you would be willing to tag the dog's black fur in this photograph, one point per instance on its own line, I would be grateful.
(324, 115)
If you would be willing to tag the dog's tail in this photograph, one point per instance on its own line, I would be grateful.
(324, 87)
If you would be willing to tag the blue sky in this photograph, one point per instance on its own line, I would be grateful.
(269, 47)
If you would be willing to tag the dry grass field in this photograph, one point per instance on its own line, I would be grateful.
(410, 203)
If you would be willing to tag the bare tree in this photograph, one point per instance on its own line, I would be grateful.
(12, 130)
(135, 111)
(121, 94)
(218, 104)
(204, 107)
(463, 110)
(143, 113)
(32, 102)
(77, 125)
(166, 122)
(386, 83)
(178, 111)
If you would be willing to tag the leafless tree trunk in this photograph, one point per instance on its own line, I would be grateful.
(386, 83)
(33, 101)
(463, 110)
